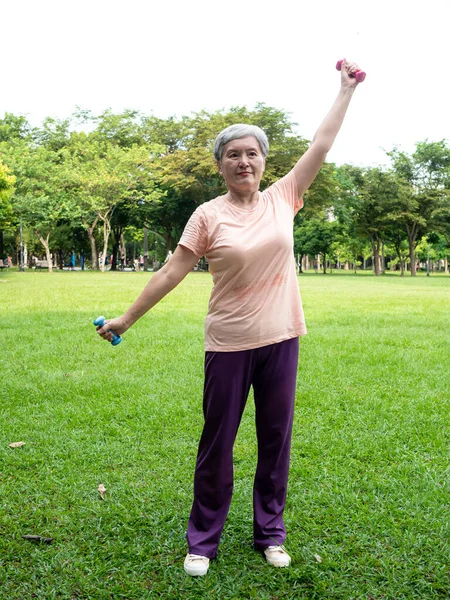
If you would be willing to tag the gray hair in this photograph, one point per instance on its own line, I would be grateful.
(236, 132)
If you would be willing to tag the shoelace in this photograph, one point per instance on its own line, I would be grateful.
(195, 557)
(279, 549)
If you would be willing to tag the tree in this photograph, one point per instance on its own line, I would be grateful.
(353, 240)
(441, 220)
(14, 127)
(426, 173)
(316, 236)
(396, 236)
(100, 176)
(39, 197)
(54, 134)
(7, 181)
(123, 129)
(379, 191)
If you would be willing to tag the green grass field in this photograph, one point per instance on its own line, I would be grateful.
(368, 512)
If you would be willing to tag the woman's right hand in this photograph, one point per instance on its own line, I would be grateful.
(118, 325)
(348, 70)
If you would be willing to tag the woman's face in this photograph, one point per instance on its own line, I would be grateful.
(242, 165)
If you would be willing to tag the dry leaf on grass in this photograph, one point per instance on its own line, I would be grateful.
(37, 538)
(318, 558)
(102, 491)
(17, 444)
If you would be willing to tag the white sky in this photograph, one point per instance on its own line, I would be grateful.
(173, 57)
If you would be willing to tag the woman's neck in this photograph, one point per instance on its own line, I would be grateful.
(244, 199)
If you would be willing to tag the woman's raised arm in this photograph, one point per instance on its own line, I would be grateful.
(310, 163)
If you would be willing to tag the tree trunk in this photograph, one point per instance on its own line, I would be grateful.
(44, 242)
(446, 265)
(412, 257)
(375, 243)
(2, 247)
(90, 231)
(118, 241)
(383, 264)
(168, 238)
(123, 250)
(106, 232)
(115, 250)
(412, 234)
(304, 263)
(145, 248)
(324, 263)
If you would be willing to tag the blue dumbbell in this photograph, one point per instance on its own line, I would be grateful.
(99, 322)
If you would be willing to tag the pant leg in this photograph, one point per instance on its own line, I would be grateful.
(274, 386)
(227, 384)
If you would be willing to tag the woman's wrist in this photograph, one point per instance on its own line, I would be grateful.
(347, 90)
(129, 319)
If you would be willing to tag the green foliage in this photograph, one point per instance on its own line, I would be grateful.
(432, 165)
(427, 174)
(103, 178)
(316, 236)
(39, 197)
(7, 182)
(54, 134)
(368, 205)
(441, 214)
(129, 170)
(14, 127)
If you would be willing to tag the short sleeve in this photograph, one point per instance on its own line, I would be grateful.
(286, 187)
(195, 234)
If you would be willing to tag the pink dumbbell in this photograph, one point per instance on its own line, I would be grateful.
(359, 75)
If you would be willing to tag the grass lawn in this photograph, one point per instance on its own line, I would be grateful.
(368, 512)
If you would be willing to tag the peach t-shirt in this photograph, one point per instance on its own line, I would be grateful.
(255, 300)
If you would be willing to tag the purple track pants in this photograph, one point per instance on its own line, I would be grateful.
(272, 371)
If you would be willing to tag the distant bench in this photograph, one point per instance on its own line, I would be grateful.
(41, 264)
(4, 265)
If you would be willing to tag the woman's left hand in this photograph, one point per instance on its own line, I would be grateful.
(348, 70)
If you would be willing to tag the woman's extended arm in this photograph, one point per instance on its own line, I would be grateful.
(162, 282)
(309, 164)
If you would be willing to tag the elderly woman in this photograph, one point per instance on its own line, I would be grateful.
(252, 328)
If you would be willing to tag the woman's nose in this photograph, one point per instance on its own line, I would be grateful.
(243, 159)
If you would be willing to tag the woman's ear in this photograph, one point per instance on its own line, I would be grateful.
(219, 168)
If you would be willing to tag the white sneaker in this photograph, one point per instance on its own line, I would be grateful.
(277, 556)
(196, 565)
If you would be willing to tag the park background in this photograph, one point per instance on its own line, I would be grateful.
(106, 128)
(119, 107)
(119, 195)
